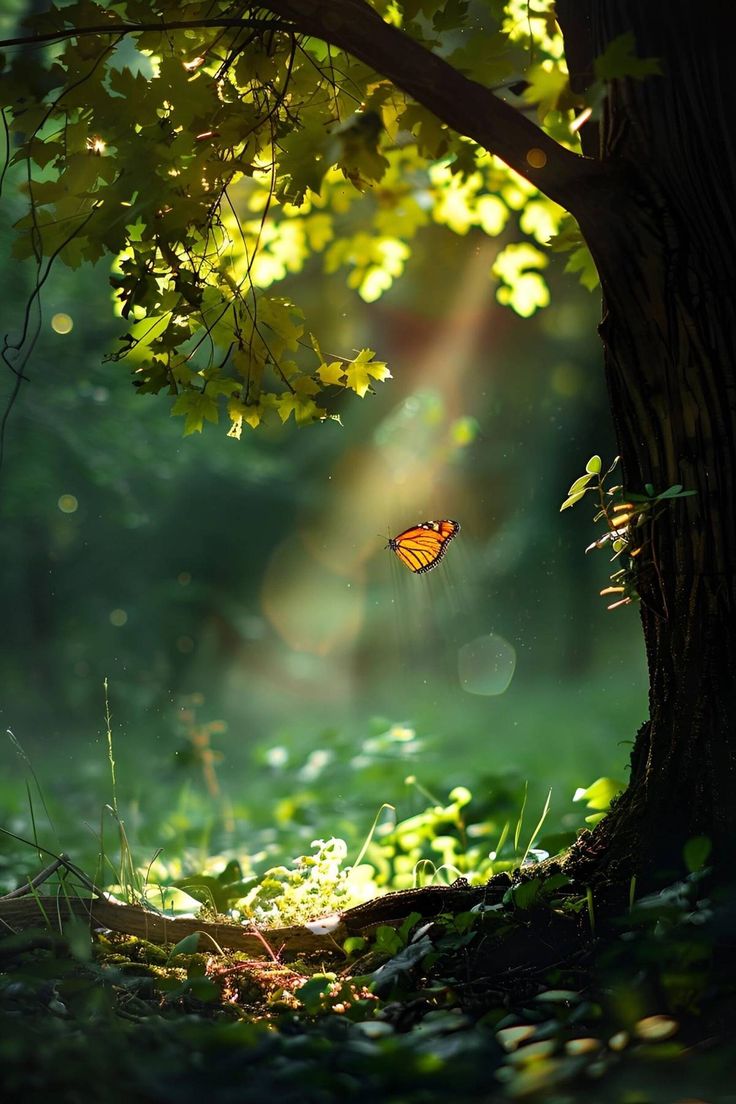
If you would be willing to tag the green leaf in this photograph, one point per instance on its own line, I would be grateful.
(450, 15)
(571, 500)
(675, 491)
(580, 483)
(196, 408)
(559, 996)
(240, 412)
(203, 989)
(303, 409)
(696, 852)
(332, 373)
(492, 214)
(581, 260)
(303, 161)
(600, 793)
(568, 237)
(484, 58)
(403, 961)
(594, 465)
(511, 1038)
(361, 371)
(388, 940)
(523, 896)
(547, 85)
(186, 946)
(353, 145)
(216, 385)
(570, 240)
(595, 818)
(619, 59)
(312, 993)
(431, 136)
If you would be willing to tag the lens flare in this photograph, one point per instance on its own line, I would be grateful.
(486, 665)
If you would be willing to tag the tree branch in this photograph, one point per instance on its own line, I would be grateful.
(119, 28)
(462, 104)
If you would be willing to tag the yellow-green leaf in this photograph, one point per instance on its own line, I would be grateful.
(197, 408)
(240, 412)
(304, 410)
(600, 793)
(363, 370)
(548, 83)
(334, 372)
(619, 59)
(571, 500)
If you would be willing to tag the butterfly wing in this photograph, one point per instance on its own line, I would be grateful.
(421, 547)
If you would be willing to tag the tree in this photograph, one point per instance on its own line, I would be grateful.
(177, 163)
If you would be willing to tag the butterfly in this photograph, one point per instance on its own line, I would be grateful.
(421, 547)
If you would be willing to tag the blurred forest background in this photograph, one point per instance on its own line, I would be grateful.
(274, 673)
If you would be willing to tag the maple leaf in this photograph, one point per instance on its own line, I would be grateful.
(334, 372)
(196, 408)
(304, 410)
(361, 371)
(620, 60)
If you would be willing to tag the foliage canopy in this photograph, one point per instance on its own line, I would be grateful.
(211, 151)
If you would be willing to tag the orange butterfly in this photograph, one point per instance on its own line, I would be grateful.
(422, 547)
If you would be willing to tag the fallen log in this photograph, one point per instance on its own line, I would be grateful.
(324, 935)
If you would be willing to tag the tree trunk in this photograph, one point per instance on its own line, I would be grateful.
(666, 251)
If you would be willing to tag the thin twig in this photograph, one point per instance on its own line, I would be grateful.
(32, 883)
(138, 28)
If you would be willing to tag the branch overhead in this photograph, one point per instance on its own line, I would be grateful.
(462, 104)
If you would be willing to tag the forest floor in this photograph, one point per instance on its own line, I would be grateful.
(515, 991)
(506, 988)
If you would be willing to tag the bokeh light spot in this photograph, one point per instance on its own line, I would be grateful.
(486, 665)
(183, 578)
(464, 431)
(566, 380)
(312, 609)
(277, 757)
(118, 617)
(67, 503)
(184, 644)
(62, 323)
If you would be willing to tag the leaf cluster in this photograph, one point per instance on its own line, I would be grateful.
(213, 159)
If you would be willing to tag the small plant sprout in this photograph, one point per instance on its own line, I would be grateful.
(626, 516)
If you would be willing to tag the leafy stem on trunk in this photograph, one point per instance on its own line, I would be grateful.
(628, 517)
